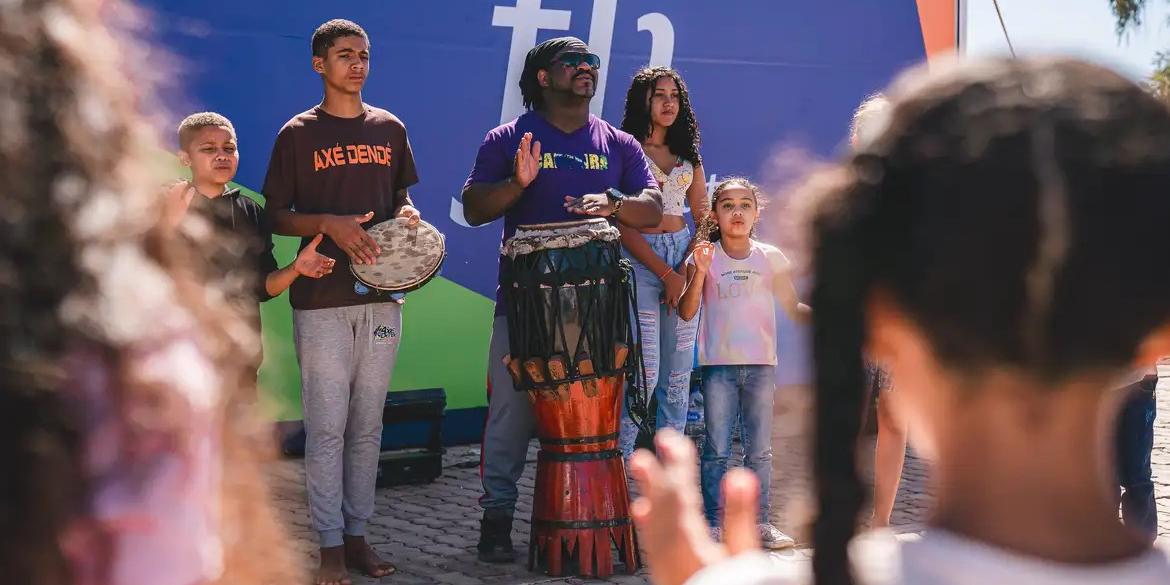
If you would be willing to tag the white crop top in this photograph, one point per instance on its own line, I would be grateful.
(674, 186)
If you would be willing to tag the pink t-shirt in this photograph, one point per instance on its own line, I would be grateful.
(738, 323)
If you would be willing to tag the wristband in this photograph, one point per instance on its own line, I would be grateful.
(616, 198)
(664, 272)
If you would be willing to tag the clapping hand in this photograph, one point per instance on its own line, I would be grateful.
(669, 514)
(527, 163)
(312, 263)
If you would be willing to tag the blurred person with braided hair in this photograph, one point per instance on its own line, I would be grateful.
(890, 448)
(991, 247)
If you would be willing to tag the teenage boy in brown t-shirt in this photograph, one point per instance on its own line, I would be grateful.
(338, 167)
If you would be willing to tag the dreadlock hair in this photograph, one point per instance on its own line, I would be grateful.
(541, 57)
(709, 225)
(530, 90)
(682, 137)
(329, 32)
(1067, 162)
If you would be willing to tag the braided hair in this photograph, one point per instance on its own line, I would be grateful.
(541, 57)
(1067, 162)
(682, 137)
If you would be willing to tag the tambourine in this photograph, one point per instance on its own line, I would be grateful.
(411, 256)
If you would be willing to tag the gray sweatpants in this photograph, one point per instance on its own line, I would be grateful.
(510, 425)
(346, 355)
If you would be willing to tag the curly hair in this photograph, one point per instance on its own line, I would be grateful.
(708, 226)
(85, 272)
(682, 137)
(1069, 162)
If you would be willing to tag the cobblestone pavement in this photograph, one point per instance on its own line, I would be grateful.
(429, 531)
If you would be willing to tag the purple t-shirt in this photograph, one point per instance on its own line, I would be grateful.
(594, 158)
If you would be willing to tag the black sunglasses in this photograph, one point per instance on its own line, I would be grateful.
(573, 60)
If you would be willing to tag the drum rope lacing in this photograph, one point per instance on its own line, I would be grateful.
(529, 279)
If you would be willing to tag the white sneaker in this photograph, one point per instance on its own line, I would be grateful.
(773, 539)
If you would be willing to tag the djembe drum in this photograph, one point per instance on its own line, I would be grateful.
(568, 299)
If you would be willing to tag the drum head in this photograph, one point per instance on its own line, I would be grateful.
(531, 238)
(411, 256)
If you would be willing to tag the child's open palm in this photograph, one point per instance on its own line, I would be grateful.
(703, 252)
(312, 263)
(178, 196)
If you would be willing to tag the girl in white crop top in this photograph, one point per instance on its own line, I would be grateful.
(658, 114)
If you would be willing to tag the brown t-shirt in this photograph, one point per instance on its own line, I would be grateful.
(340, 166)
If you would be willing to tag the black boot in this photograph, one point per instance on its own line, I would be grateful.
(495, 537)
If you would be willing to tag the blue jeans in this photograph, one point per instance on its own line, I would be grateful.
(1135, 444)
(746, 394)
(667, 342)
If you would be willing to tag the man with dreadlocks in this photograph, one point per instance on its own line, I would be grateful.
(550, 164)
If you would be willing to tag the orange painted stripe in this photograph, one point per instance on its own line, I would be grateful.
(938, 20)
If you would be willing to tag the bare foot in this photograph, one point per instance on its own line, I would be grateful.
(332, 570)
(361, 556)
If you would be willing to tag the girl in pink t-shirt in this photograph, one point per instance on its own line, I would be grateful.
(737, 280)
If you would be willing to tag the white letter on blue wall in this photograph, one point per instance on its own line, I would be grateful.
(526, 18)
(600, 42)
(662, 38)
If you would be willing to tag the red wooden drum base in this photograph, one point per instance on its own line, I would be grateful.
(581, 507)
